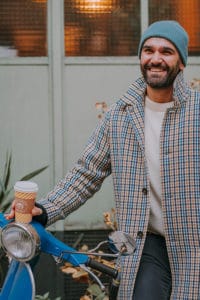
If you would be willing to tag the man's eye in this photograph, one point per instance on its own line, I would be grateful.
(147, 51)
(167, 52)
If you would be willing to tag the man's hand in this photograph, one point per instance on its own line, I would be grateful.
(36, 211)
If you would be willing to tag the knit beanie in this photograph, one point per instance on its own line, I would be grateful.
(170, 30)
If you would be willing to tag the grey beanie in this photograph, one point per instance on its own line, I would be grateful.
(170, 30)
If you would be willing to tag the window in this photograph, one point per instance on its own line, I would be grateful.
(186, 12)
(23, 28)
(112, 27)
(101, 27)
(91, 27)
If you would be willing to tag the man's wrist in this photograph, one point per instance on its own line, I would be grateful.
(43, 218)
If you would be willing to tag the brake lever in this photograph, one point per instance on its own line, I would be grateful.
(102, 287)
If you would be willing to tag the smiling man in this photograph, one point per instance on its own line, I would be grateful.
(149, 141)
(160, 62)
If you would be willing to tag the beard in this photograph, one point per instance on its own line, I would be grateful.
(157, 80)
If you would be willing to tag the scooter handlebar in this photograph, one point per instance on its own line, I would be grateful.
(102, 268)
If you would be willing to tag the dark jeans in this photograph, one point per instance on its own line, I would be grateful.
(153, 281)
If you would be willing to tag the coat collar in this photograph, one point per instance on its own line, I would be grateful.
(180, 90)
(133, 103)
(136, 92)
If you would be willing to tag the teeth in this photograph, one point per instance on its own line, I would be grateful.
(156, 70)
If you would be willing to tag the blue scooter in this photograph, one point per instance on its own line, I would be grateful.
(22, 242)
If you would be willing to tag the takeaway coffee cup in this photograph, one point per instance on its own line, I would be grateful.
(25, 195)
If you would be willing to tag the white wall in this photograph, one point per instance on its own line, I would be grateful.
(84, 86)
(25, 120)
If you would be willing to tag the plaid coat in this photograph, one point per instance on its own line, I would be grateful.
(117, 147)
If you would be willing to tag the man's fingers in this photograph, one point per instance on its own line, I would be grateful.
(13, 204)
(36, 211)
(10, 215)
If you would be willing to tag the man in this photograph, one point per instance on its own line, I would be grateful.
(149, 142)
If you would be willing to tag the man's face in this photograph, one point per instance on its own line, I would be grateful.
(160, 62)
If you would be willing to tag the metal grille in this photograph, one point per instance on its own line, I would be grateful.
(74, 290)
(49, 277)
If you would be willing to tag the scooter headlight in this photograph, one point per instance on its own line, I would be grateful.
(20, 241)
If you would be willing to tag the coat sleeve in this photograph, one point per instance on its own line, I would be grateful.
(85, 178)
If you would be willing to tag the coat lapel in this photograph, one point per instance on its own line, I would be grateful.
(134, 105)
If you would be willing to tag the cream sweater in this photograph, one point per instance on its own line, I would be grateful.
(154, 114)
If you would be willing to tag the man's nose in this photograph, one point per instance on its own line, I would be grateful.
(156, 57)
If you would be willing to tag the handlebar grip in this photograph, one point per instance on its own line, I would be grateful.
(102, 268)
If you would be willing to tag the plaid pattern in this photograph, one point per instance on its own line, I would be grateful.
(117, 147)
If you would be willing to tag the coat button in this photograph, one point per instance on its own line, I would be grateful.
(140, 234)
(144, 191)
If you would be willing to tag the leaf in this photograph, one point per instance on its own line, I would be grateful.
(85, 297)
(5, 190)
(2, 189)
(6, 202)
(6, 175)
(94, 289)
(45, 297)
(79, 274)
(69, 270)
(102, 296)
(34, 173)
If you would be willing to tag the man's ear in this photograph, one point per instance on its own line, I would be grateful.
(181, 66)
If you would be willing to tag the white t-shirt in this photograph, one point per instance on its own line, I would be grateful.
(154, 114)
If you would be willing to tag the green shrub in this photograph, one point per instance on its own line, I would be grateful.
(6, 189)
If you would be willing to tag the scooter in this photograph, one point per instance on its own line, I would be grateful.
(23, 242)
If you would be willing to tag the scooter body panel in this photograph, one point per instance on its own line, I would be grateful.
(19, 283)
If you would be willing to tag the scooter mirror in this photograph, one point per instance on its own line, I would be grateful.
(121, 243)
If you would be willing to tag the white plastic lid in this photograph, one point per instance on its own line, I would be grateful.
(26, 186)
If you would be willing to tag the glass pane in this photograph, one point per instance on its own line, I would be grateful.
(187, 13)
(102, 27)
(23, 28)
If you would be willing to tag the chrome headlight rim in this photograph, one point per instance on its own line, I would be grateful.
(30, 232)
